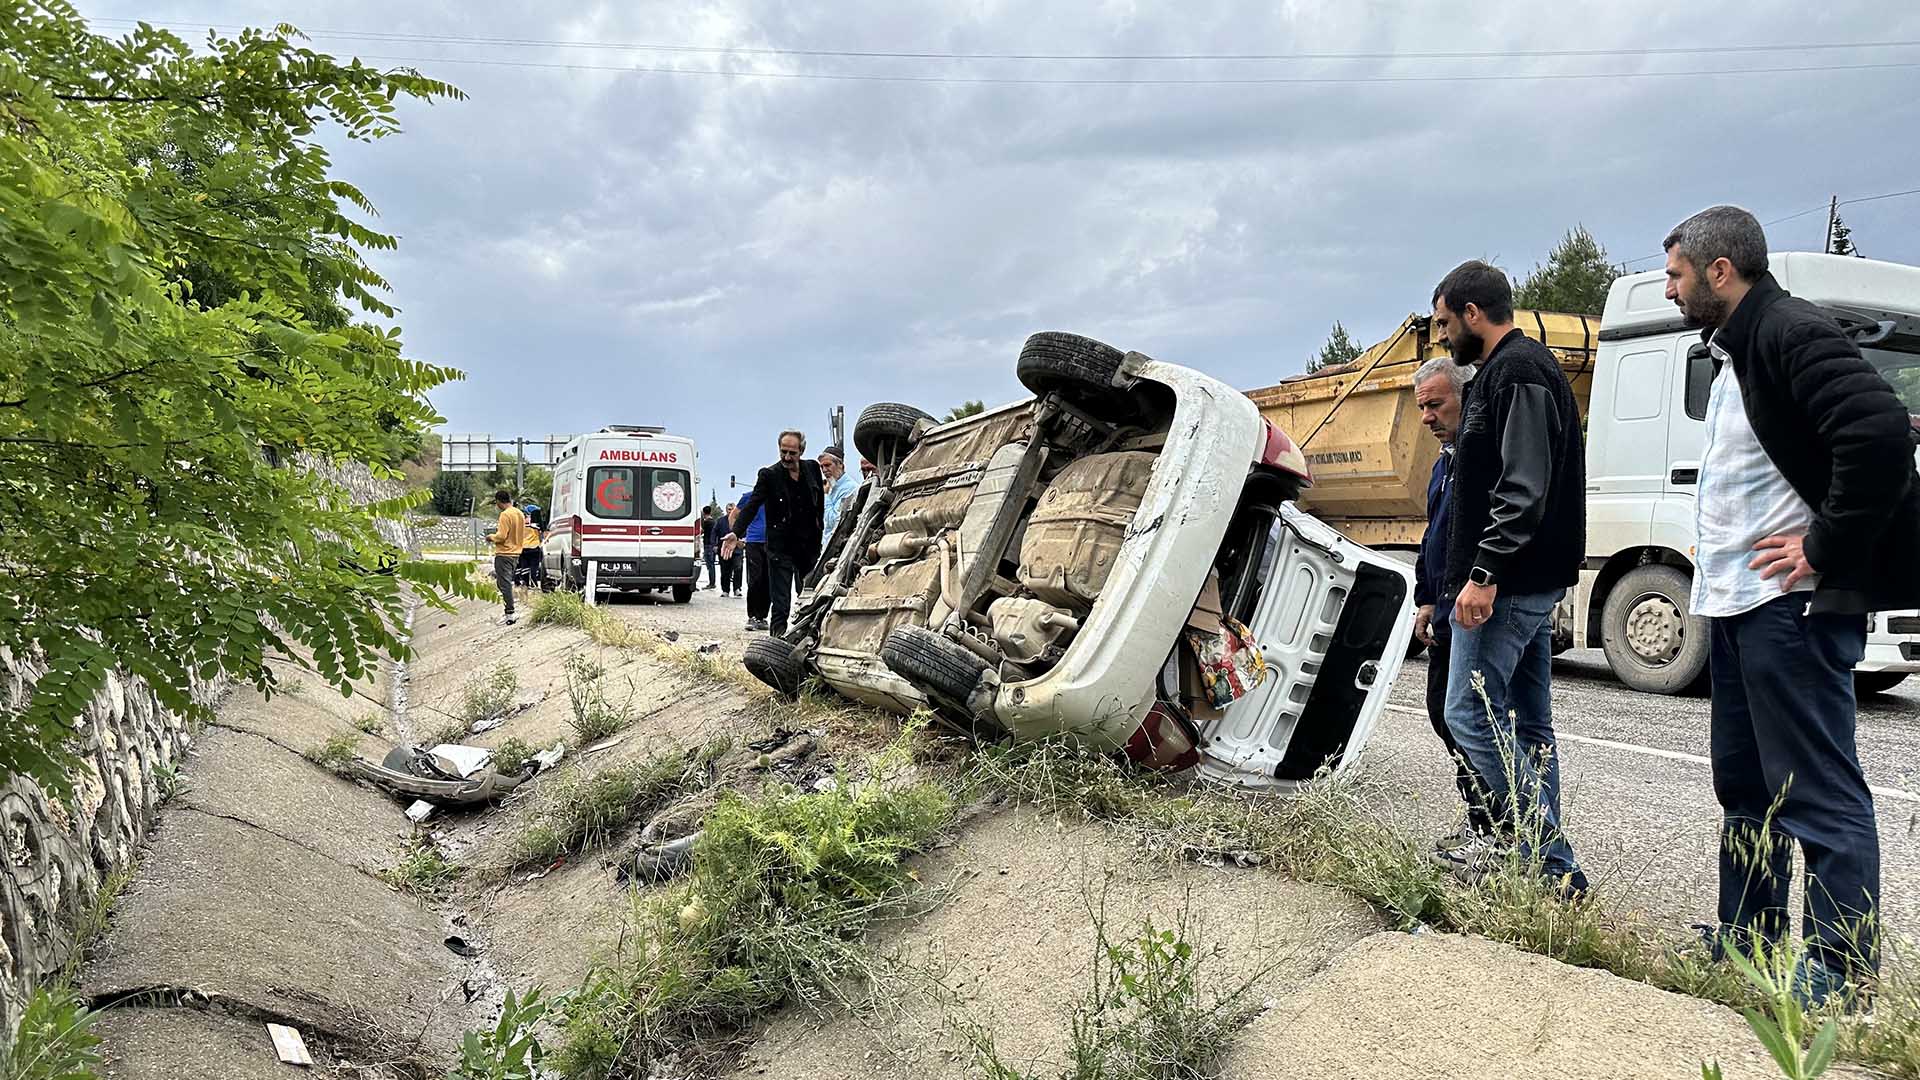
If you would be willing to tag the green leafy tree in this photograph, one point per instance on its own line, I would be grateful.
(179, 276)
(1574, 279)
(964, 410)
(1339, 349)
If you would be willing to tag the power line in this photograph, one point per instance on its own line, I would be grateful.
(1803, 213)
(1278, 80)
(871, 54)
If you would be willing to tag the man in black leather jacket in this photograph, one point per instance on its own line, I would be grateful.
(1518, 509)
(1807, 517)
(793, 495)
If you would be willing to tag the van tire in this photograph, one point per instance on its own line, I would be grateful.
(943, 670)
(1081, 370)
(682, 594)
(1639, 620)
(1876, 682)
(777, 663)
(884, 429)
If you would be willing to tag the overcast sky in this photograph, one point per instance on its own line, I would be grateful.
(730, 256)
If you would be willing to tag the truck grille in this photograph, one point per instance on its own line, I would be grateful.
(1905, 624)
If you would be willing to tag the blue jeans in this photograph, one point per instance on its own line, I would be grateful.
(1508, 737)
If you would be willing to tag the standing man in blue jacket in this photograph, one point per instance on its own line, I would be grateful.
(1438, 387)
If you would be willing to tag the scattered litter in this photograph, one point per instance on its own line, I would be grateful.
(672, 635)
(605, 744)
(469, 990)
(538, 874)
(774, 741)
(710, 647)
(660, 862)
(420, 811)
(421, 774)
(289, 1045)
(480, 726)
(826, 784)
(551, 756)
(462, 761)
(460, 946)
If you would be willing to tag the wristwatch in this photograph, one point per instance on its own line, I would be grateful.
(1482, 577)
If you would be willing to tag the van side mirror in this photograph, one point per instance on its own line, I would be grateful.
(1699, 379)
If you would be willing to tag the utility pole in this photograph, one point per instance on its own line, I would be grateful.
(1833, 215)
(837, 425)
(520, 468)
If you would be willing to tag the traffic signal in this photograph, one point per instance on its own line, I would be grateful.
(733, 480)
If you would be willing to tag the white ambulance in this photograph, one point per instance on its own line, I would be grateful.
(623, 502)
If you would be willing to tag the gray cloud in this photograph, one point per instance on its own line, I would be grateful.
(732, 256)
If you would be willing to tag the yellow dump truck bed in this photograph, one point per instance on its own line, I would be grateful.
(1369, 455)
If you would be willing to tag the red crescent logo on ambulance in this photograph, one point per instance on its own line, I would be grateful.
(611, 491)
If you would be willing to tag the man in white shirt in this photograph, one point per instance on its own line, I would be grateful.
(1807, 517)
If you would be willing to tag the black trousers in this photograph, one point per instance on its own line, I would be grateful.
(756, 580)
(713, 559)
(503, 567)
(730, 574)
(1785, 769)
(781, 572)
(1475, 796)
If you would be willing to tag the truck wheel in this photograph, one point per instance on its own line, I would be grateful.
(776, 663)
(1876, 682)
(942, 669)
(883, 429)
(1079, 369)
(1652, 642)
(682, 594)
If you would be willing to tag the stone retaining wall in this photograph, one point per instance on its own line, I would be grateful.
(59, 853)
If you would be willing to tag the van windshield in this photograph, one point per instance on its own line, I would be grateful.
(638, 493)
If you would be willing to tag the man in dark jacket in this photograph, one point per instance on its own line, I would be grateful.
(1807, 518)
(1437, 389)
(1514, 546)
(793, 496)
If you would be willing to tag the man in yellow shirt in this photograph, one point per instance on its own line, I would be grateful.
(507, 538)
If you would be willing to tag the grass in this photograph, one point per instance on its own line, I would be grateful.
(512, 755)
(55, 1039)
(169, 781)
(422, 870)
(594, 713)
(1152, 1010)
(337, 754)
(370, 723)
(582, 810)
(783, 884)
(488, 696)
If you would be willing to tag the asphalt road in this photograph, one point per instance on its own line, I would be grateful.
(1636, 788)
(1637, 791)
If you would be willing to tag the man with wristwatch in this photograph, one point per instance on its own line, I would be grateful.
(1515, 544)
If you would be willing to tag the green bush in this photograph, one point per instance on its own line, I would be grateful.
(582, 810)
(337, 754)
(783, 884)
(451, 494)
(55, 1040)
(488, 696)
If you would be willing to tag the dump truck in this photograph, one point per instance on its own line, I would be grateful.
(1371, 458)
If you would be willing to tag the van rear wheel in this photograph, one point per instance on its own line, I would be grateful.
(682, 594)
(777, 663)
(1653, 643)
(1081, 370)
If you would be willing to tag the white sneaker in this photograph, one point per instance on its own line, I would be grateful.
(509, 620)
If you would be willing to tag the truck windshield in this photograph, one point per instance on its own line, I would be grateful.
(1899, 360)
(637, 493)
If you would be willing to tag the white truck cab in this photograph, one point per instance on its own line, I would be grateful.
(622, 514)
(1645, 433)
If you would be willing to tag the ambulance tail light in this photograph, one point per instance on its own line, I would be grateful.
(573, 534)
